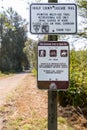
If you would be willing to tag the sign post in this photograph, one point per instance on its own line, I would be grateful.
(52, 96)
(53, 18)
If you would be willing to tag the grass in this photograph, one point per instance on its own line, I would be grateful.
(63, 124)
(29, 124)
(2, 109)
(9, 97)
(1, 74)
(22, 122)
(35, 124)
(34, 71)
(5, 74)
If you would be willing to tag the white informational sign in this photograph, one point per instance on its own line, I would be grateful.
(53, 18)
(53, 65)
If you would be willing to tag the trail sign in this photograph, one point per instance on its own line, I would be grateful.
(53, 65)
(53, 18)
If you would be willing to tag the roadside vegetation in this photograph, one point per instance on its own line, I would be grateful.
(13, 34)
(36, 124)
(14, 120)
(77, 93)
(18, 53)
(5, 74)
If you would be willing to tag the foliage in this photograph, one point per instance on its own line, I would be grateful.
(82, 4)
(34, 71)
(77, 93)
(30, 50)
(13, 34)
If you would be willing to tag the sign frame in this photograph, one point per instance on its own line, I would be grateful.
(53, 84)
(63, 27)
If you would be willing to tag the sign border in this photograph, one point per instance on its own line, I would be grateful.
(54, 4)
(44, 85)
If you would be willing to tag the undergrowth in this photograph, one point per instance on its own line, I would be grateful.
(35, 124)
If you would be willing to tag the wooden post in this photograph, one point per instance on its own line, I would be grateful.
(52, 110)
(52, 95)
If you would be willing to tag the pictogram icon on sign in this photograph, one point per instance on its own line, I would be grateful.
(45, 28)
(63, 53)
(42, 53)
(53, 53)
(36, 27)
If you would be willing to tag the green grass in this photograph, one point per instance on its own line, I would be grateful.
(34, 71)
(1, 74)
(2, 110)
(5, 74)
(30, 124)
(63, 124)
(35, 124)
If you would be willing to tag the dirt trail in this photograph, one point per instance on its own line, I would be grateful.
(8, 84)
(29, 101)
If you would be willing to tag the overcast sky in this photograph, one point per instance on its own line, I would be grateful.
(21, 6)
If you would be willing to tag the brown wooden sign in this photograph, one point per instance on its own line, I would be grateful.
(53, 65)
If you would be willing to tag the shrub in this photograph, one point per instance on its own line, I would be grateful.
(77, 93)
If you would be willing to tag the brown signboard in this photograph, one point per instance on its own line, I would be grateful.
(53, 65)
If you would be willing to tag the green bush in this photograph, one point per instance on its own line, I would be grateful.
(77, 93)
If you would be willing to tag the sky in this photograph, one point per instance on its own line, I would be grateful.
(22, 8)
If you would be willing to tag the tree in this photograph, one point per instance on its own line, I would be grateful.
(30, 50)
(82, 4)
(14, 35)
